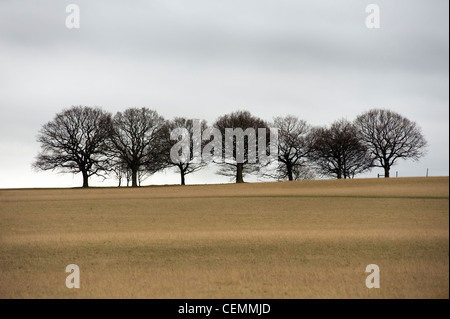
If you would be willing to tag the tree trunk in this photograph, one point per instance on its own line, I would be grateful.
(134, 178)
(239, 178)
(182, 178)
(182, 169)
(386, 171)
(289, 171)
(339, 170)
(85, 179)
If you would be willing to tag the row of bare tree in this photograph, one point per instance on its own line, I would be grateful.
(136, 143)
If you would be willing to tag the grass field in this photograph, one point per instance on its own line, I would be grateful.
(308, 239)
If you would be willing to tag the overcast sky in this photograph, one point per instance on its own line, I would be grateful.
(205, 58)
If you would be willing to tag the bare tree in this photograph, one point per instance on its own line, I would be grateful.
(338, 152)
(193, 162)
(390, 136)
(240, 121)
(120, 171)
(293, 148)
(139, 140)
(74, 142)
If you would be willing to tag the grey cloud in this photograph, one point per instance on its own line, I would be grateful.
(202, 58)
(283, 33)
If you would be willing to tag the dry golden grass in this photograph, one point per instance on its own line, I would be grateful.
(310, 239)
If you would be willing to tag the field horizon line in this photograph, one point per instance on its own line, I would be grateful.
(222, 184)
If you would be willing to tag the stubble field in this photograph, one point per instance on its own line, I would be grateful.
(308, 239)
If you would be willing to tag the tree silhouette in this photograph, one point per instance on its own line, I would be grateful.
(338, 152)
(293, 147)
(389, 136)
(190, 164)
(240, 120)
(74, 142)
(138, 141)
